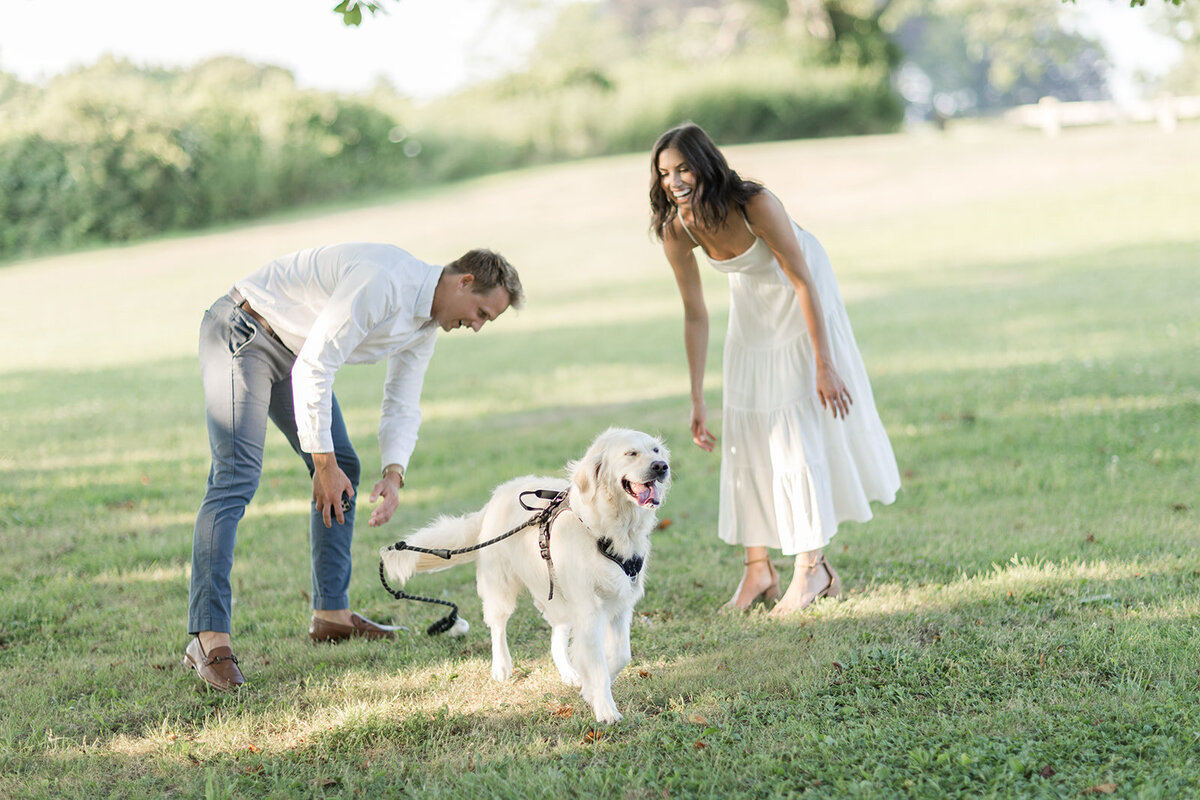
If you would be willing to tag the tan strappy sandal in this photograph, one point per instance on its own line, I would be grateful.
(831, 589)
(767, 595)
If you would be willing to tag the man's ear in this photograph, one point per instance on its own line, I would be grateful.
(465, 280)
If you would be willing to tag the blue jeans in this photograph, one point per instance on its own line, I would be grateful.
(247, 376)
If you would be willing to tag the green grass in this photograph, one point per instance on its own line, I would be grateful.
(1022, 622)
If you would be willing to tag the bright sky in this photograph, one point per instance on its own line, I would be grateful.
(1133, 46)
(424, 47)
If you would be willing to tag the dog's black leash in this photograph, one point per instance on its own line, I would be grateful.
(543, 519)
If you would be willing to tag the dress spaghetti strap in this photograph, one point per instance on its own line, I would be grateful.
(688, 231)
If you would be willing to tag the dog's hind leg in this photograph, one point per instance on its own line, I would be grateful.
(616, 643)
(593, 670)
(559, 637)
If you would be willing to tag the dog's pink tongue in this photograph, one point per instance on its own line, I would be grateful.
(647, 494)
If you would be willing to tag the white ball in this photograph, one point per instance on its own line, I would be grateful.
(460, 627)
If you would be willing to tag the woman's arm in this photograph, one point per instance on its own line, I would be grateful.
(679, 254)
(770, 221)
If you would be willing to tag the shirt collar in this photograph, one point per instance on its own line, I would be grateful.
(423, 308)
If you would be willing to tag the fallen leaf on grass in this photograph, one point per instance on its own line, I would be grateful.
(593, 736)
(699, 745)
(1047, 771)
(663, 525)
(1103, 788)
(564, 712)
(253, 748)
(642, 673)
(696, 718)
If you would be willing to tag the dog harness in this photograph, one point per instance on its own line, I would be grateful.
(630, 566)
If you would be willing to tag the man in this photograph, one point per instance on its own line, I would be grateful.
(270, 349)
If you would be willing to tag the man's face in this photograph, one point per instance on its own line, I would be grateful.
(464, 308)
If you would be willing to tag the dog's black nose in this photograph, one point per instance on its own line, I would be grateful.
(660, 469)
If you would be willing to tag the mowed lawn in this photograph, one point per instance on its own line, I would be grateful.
(1024, 621)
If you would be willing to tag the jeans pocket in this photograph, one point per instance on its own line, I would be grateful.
(241, 332)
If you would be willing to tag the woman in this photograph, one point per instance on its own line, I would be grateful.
(803, 447)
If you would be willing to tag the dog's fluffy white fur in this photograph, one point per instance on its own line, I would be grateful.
(615, 491)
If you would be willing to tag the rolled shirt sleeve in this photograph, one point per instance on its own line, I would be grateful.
(400, 417)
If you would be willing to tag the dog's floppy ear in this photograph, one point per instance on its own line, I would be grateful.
(585, 473)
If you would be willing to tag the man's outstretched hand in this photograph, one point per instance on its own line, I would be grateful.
(387, 489)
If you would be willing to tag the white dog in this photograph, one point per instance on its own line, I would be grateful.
(599, 546)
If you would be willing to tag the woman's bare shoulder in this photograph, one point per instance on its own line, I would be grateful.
(765, 212)
(764, 203)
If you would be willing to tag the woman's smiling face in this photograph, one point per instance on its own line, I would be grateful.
(678, 180)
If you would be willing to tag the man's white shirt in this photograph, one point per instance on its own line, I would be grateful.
(352, 303)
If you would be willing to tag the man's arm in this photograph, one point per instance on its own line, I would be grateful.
(399, 421)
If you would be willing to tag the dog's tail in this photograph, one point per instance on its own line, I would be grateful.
(445, 533)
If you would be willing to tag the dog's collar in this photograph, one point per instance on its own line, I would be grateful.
(631, 566)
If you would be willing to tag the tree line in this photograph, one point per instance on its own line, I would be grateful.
(115, 152)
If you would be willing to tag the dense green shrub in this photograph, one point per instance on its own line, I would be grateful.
(116, 152)
(750, 99)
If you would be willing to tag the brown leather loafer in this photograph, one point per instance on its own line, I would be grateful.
(323, 630)
(219, 669)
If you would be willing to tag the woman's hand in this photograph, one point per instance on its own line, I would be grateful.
(832, 391)
(700, 433)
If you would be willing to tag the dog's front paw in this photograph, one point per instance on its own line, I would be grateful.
(569, 676)
(607, 714)
(501, 672)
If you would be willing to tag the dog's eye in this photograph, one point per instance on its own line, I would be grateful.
(632, 453)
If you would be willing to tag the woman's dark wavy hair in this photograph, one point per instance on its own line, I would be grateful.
(719, 187)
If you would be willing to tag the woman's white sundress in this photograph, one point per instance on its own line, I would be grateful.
(790, 470)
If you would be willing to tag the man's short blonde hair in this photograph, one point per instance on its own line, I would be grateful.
(490, 270)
